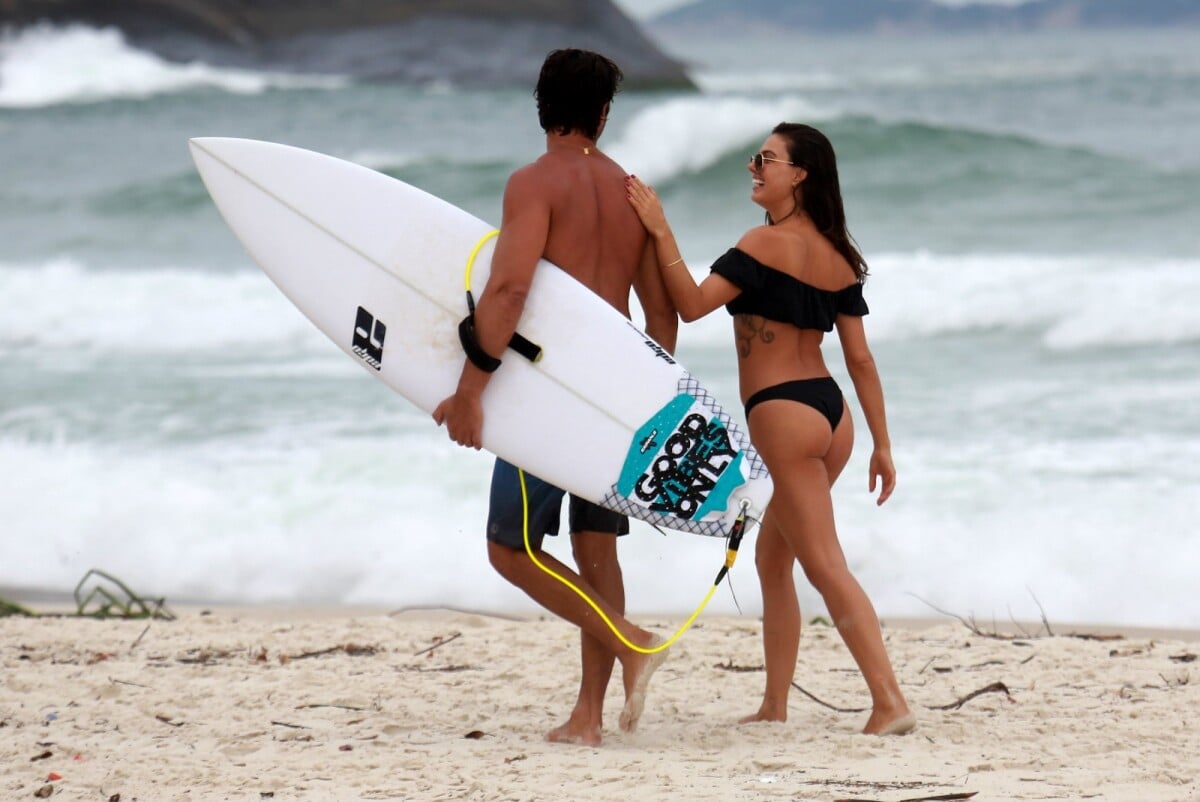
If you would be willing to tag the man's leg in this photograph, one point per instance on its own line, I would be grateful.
(637, 667)
(513, 525)
(596, 558)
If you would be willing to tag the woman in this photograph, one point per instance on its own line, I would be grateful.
(786, 284)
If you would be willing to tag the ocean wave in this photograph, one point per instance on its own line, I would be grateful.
(1065, 303)
(1061, 303)
(687, 135)
(314, 516)
(61, 304)
(917, 184)
(685, 140)
(1069, 303)
(49, 65)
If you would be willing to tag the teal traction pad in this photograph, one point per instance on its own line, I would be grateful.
(684, 464)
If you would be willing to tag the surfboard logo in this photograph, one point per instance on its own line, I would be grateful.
(369, 334)
(658, 350)
(683, 462)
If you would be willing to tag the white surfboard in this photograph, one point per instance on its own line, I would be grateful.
(379, 266)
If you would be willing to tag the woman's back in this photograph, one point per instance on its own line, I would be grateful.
(773, 351)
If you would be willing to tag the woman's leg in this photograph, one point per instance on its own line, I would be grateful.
(774, 560)
(794, 440)
(781, 619)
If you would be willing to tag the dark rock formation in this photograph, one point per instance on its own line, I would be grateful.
(467, 42)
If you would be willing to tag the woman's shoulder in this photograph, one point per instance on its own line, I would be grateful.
(768, 245)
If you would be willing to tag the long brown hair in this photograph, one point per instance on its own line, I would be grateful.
(820, 194)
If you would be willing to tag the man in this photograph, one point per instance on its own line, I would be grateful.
(570, 208)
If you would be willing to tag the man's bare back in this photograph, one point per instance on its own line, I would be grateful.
(594, 234)
(568, 207)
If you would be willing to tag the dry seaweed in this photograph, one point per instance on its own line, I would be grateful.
(105, 597)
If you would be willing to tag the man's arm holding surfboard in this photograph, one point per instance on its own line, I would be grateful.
(524, 229)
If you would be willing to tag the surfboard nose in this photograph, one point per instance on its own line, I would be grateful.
(202, 144)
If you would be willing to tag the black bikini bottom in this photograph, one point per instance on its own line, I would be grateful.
(822, 394)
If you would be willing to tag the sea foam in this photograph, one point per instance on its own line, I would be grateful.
(1068, 303)
(47, 65)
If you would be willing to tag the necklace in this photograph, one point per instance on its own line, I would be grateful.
(561, 145)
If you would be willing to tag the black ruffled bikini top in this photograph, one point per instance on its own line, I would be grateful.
(775, 295)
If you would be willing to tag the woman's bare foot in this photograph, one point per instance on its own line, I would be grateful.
(767, 712)
(574, 732)
(636, 683)
(888, 723)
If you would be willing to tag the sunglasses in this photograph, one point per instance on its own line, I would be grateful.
(758, 160)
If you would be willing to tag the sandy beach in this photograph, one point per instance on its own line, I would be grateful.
(429, 705)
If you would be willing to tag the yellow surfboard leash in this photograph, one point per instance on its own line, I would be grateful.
(735, 540)
(735, 536)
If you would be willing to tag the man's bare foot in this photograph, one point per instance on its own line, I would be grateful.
(572, 733)
(890, 725)
(636, 685)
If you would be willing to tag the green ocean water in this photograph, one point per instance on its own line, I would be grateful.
(1028, 206)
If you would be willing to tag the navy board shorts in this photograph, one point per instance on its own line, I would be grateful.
(506, 511)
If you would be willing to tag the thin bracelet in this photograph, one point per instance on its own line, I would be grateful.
(677, 261)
